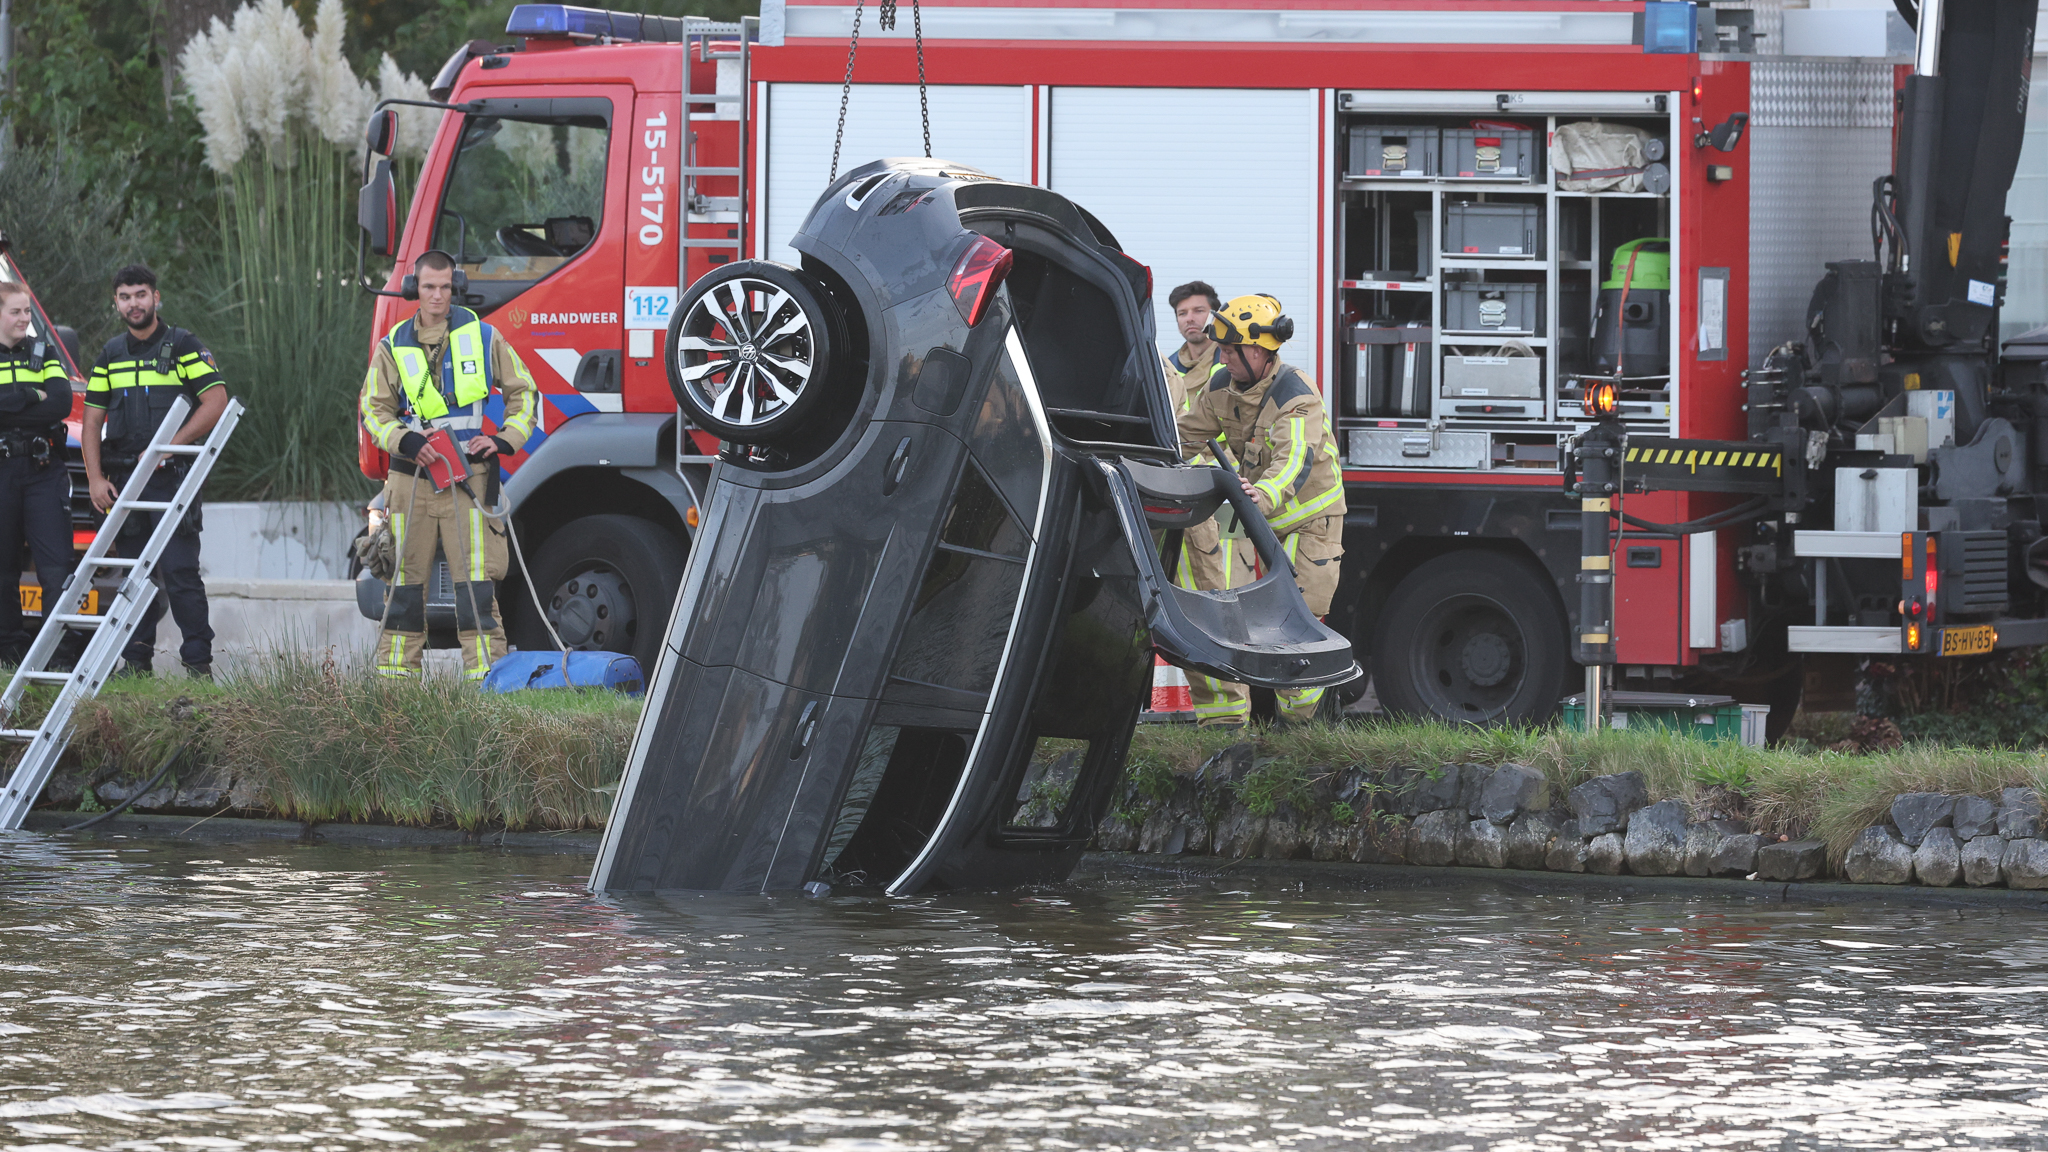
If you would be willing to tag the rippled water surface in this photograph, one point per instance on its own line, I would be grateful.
(162, 996)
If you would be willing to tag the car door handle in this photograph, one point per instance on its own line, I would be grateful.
(899, 463)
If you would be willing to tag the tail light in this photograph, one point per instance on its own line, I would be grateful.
(1933, 578)
(976, 276)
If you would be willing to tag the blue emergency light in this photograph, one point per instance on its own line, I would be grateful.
(567, 20)
(1671, 26)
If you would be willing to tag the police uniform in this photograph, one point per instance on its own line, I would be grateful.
(35, 487)
(135, 383)
(1280, 433)
(426, 377)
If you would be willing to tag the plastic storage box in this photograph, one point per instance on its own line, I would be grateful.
(1488, 151)
(1493, 229)
(1391, 375)
(1474, 306)
(1502, 377)
(1382, 151)
(1715, 718)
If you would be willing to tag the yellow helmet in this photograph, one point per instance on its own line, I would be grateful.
(1252, 320)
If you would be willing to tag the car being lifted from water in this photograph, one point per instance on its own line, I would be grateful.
(918, 627)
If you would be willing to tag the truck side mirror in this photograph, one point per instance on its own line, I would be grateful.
(382, 132)
(377, 209)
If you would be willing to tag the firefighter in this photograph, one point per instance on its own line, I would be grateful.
(435, 370)
(1271, 416)
(1202, 558)
(131, 389)
(35, 489)
(1188, 369)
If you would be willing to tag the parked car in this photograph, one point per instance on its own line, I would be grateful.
(918, 625)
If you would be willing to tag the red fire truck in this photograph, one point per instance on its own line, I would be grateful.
(1480, 213)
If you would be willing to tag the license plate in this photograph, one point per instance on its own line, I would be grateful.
(1970, 640)
(32, 600)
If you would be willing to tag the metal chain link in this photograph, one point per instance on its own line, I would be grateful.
(924, 108)
(846, 90)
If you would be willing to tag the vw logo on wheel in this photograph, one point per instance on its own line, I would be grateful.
(748, 353)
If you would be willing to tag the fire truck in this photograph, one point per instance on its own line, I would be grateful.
(1488, 218)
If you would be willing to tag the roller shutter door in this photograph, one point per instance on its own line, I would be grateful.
(1174, 173)
(983, 127)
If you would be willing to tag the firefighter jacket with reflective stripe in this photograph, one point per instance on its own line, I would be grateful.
(136, 381)
(1280, 433)
(1187, 375)
(27, 368)
(427, 376)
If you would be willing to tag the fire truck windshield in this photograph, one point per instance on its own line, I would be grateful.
(523, 196)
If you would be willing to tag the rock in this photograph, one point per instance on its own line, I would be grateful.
(1239, 833)
(1796, 860)
(67, 786)
(206, 792)
(1938, 861)
(1113, 835)
(247, 794)
(1605, 854)
(1512, 790)
(2019, 814)
(1414, 791)
(1655, 843)
(1720, 848)
(1974, 816)
(1700, 842)
(2026, 863)
(1286, 834)
(1483, 844)
(1472, 781)
(1434, 838)
(1567, 851)
(1529, 837)
(1328, 839)
(1983, 859)
(113, 792)
(1229, 764)
(1602, 804)
(1915, 812)
(1878, 856)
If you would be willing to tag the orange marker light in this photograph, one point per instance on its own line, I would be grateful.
(1912, 637)
(690, 517)
(1905, 555)
(1600, 400)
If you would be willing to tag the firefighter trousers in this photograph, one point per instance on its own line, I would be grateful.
(1314, 549)
(422, 522)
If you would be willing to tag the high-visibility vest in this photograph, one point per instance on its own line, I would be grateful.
(455, 401)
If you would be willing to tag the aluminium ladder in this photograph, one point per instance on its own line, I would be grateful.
(109, 632)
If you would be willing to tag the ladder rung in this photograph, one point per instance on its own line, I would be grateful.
(689, 171)
(45, 677)
(19, 735)
(144, 505)
(80, 620)
(182, 449)
(114, 562)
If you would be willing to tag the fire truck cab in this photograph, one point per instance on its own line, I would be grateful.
(1472, 209)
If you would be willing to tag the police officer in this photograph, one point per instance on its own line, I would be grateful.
(1273, 418)
(138, 377)
(435, 370)
(35, 488)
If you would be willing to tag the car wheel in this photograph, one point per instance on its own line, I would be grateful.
(1472, 636)
(607, 584)
(751, 351)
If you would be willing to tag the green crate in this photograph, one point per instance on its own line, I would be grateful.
(1712, 718)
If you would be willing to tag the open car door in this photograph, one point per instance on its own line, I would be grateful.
(1262, 633)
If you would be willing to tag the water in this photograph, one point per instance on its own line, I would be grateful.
(162, 996)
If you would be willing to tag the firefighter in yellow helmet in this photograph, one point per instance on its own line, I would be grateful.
(1273, 419)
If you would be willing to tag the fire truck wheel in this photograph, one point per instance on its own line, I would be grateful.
(751, 351)
(1472, 636)
(607, 583)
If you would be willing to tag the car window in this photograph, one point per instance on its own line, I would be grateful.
(523, 196)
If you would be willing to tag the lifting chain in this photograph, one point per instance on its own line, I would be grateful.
(887, 19)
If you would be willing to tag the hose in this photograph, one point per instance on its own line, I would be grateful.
(162, 770)
(1706, 523)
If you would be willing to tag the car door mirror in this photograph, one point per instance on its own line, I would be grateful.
(377, 209)
(382, 133)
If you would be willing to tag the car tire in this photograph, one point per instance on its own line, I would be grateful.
(608, 583)
(754, 351)
(1472, 637)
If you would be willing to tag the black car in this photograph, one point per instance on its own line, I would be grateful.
(919, 618)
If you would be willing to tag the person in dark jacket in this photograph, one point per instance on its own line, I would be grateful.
(129, 393)
(35, 488)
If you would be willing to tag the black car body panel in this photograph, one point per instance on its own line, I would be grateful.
(911, 654)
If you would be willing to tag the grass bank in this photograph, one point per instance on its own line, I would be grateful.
(303, 741)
